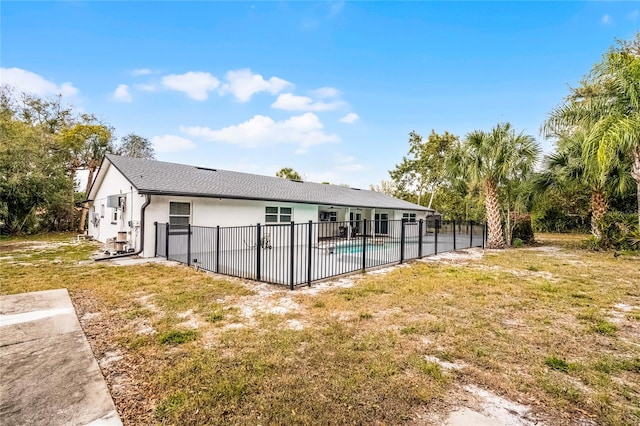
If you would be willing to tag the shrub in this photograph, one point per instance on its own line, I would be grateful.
(619, 231)
(522, 228)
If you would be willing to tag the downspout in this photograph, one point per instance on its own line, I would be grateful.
(117, 256)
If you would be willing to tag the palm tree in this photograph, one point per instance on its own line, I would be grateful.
(489, 160)
(607, 103)
(569, 165)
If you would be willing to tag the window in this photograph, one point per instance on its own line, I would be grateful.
(409, 217)
(102, 211)
(328, 216)
(179, 215)
(278, 214)
(381, 223)
(114, 216)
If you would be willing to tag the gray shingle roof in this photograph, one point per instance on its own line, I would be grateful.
(157, 177)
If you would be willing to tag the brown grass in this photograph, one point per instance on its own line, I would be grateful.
(554, 327)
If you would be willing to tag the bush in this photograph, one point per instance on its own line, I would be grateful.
(619, 231)
(522, 229)
(556, 220)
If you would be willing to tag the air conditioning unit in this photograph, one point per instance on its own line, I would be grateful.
(116, 201)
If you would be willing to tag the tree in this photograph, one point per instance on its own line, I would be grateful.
(387, 187)
(288, 173)
(86, 142)
(569, 164)
(52, 139)
(423, 169)
(135, 146)
(607, 103)
(490, 160)
(33, 179)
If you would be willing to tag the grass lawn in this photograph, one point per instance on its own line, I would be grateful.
(553, 327)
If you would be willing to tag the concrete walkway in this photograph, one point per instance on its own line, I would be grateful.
(48, 374)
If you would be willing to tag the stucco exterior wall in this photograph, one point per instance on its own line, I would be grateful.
(128, 219)
(219, 212)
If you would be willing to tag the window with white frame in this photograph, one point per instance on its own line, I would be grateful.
(278, 214)
(179, 215)
(409, 217)
(114, 216)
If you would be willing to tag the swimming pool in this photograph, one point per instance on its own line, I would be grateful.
(357, 248)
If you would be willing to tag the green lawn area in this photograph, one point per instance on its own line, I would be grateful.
(554, 327)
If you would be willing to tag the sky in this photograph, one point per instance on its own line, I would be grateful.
(331, 89)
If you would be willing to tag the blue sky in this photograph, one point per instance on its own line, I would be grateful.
(331, 89)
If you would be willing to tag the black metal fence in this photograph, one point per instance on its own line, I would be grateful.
(301, 253)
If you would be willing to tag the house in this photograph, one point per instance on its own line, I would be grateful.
(129, 195)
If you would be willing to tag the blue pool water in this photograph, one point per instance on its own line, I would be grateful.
(358, 248)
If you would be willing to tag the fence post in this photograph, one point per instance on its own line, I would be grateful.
(189, 245)
(420, 239)
(402, 241)
(166, 244)
(470, 234)
(484, 234)
(309, 251)
(155, 249)
(435, 236)
(364, 246)
(217, 249)
(292, 252)
(258, 250)
(454, 235)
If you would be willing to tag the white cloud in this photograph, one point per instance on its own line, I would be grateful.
(29, 82)
(291, 102)
(243, 84)
(141, 71)
(171, 143)
(145, 87)
(352, 167)
(348, 164)
(304, 130)
(350, 118)
(195, 84)
(606, 19)
(633, 15)
(344, 158)
(326, 92)
(122, 93)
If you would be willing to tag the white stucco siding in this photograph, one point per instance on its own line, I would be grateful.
(128, 219)
(213, 212)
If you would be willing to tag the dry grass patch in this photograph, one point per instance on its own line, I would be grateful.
(553, 327)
